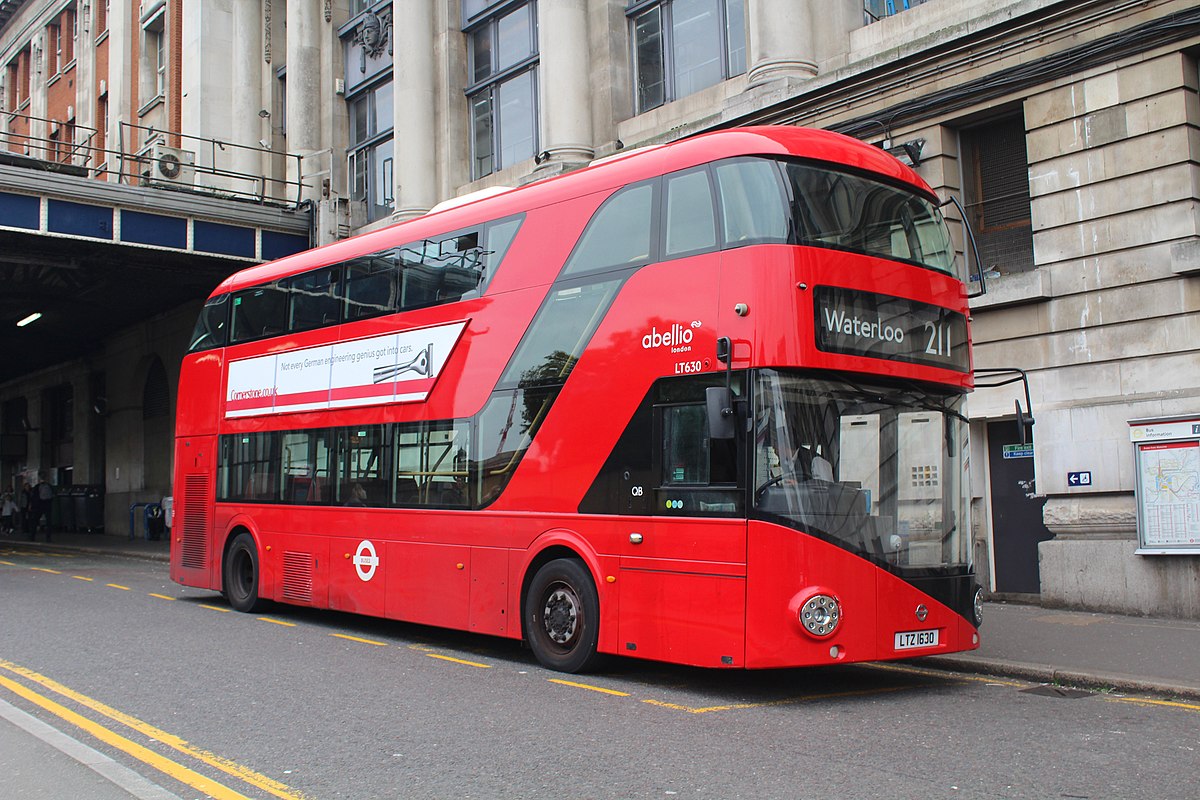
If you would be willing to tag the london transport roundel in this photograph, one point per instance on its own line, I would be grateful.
(365, 560)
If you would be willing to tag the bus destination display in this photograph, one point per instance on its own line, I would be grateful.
(880, 326)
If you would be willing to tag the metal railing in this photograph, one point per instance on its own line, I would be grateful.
(146, 156)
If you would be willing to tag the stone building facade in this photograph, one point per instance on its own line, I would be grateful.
(1070, 132)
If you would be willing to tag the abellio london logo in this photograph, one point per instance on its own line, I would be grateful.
(678, 337)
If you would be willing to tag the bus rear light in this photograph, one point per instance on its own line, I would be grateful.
(978, 606)
(820, 615)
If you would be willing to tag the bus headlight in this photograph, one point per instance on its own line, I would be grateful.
(978, 606)
(820, 615)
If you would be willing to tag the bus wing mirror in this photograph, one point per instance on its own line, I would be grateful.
(979, 276)
(719, 405)
(986, 378)
(1024, 422)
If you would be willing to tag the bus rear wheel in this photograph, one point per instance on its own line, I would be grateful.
(562, 611)
(241, 574)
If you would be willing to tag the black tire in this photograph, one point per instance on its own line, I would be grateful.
(240, 574)
(562, 613)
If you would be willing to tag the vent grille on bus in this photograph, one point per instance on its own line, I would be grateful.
(297, 576)
(195, 522)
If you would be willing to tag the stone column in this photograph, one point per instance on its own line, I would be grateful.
(120, 89)
(415, 136)
(564, 71)
(781, 42)
(304, 95)
(247, 126)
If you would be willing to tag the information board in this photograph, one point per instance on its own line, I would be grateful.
(1167, 460)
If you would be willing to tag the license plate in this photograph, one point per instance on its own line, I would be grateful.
(911, 640)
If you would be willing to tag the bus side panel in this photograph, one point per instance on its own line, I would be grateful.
(681, 617)
(784, 569)
(429, 583)
(293, 569)
(489, 590)
(357, 575)
(200, 398)
(192, 549)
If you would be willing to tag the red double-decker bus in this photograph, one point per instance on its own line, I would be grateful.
(700, 403)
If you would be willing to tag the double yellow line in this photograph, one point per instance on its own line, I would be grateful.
(110, 737)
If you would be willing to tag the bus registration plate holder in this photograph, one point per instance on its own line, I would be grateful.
(911, 640)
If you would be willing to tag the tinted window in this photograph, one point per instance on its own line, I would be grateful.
(691, 224)
(836, 209)
(432, 465)
(371, 285)
(558, 334)
(314, 299)
(620, 233)
(249, 468)
(306, 460)
(212, 327)
(753, 206)
(259, 312)
(362, 461)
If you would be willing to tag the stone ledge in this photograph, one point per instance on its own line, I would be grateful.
(1016, 288)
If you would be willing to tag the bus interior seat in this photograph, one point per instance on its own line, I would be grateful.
(406, 492)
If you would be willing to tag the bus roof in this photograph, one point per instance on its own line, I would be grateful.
(605, 174)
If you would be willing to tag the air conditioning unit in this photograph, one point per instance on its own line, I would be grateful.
(170, 166)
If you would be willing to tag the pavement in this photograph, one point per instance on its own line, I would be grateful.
(1139, 655)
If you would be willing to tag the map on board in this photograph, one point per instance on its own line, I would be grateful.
(1170, 493)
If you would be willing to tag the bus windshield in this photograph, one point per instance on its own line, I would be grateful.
(845, 211)
(877, 469)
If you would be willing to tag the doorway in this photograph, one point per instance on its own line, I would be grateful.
(1017, 524)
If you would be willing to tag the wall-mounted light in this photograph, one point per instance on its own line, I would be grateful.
(34, 317)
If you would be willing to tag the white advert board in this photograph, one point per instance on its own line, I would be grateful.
(1167, 471)
(393, 368)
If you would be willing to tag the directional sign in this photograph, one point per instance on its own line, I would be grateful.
(1079, 479)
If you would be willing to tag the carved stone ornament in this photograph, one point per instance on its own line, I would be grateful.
(267, 31)
(374, 34)
(329, 10)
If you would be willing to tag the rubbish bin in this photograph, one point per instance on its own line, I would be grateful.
(74, 498)
(62, 513)
(89, 508)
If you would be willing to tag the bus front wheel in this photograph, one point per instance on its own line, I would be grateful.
(241, 574)
(562, 611)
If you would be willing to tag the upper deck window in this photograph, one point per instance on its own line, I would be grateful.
(753, 206)
(620, 234)
(844, 211)
(433, 271)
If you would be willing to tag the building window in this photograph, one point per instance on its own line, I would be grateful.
(54, 34)
(372, 164)
(875, 10)
(502, 96)
(996, 193)
(683, 46)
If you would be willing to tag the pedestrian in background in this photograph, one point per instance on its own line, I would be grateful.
(43, 495)
(26, 508)
(8, 513)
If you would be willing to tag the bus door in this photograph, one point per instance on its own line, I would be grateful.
(683, 570)
(360, 490)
